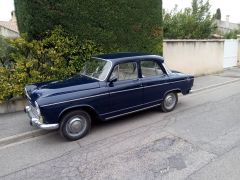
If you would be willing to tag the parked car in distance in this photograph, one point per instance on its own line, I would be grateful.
(109, 86)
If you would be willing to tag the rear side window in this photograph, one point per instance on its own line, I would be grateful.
(150, 68)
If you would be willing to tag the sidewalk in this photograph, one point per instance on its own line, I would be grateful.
(16, 125)
(214, 79)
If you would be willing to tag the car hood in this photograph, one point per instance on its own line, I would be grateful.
(50, 88)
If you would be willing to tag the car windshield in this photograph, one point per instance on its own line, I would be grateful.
(97, 69)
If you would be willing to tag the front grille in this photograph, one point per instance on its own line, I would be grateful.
(33, 110)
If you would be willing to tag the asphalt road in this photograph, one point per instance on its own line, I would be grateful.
(199, 140)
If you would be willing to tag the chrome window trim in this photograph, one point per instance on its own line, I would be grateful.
(51, 104)
(168, 71)
(116, 92)
(164, 83)
(108, 70)
(151, 76)
(117, 65)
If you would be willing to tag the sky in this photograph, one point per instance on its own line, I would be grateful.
(6, 7)
(228, 7)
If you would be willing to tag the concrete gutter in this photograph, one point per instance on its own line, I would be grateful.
(215, 85)
(22, 136)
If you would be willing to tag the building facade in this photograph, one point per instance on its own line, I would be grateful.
(9, 28)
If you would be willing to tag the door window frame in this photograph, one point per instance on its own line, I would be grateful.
(125, 80)
(154, 76)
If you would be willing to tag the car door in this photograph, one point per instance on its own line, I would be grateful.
(126, 92)
(154, 82)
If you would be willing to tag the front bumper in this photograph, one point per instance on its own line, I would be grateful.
(35, 121)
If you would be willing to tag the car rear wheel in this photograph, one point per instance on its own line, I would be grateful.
(75, 125)
(169, 102)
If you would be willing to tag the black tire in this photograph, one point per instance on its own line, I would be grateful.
(169, 102)
(75, 125)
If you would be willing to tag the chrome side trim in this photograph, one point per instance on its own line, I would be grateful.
(51, 104)
(148, 86)
(164, 83)
(130, 107)
(132, 111)
(126, 90)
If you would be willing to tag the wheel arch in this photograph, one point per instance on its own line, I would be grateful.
(177, 90)
(89, 109)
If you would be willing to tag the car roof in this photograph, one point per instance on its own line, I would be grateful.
(124, 56)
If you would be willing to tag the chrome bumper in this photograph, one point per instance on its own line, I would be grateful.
(34, 121)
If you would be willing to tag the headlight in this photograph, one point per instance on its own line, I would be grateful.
(26, 92)
(37, 108)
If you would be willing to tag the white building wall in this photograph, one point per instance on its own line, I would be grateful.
(8, 33)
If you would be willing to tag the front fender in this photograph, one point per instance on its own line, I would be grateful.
(91, 110)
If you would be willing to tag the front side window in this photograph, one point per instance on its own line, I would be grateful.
(125, 71)
(150, 68)
(97, 69)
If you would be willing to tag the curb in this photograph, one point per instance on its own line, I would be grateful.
(39, 132)
(22, 136)
(215, 85)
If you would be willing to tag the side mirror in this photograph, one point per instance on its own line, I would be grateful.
(112, 80)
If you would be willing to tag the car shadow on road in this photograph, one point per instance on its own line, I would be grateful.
(127, 118)
(103, 129)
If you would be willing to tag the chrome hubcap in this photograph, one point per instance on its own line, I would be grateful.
(76, 126)
(170, 101)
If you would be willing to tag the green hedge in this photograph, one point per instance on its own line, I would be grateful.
(57, 56)
(124, 25)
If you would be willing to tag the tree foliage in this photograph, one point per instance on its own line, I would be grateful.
(125, 25)
(218, 14)
(232, 34)
(190, 23)
(55, 57)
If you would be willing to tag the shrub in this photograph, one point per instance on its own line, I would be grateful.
(57, 56)
(124, 25)
(190, 23)
(232, 34)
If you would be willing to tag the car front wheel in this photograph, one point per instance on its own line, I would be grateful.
(169, 102)
(75, 125)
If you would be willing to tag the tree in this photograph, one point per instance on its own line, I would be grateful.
(190, 23)
(5, 51)
(123, 25)
(232, 34)
(218, 14)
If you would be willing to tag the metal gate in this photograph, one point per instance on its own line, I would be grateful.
(230, 53)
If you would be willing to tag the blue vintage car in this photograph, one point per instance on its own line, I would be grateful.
(109, 86)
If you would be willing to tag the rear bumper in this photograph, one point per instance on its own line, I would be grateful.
(35, 121)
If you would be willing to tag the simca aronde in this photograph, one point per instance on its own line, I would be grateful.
(109, 86)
